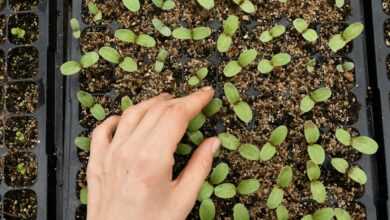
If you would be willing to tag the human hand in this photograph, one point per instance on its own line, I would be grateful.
(130, 172)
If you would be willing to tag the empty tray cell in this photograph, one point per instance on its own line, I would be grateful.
(23, 62)
(23, 28)
(3, 28)
(23, 5)
(22, 97)
(21, 169)
(20, 204)
(2, 66)
(21, 133)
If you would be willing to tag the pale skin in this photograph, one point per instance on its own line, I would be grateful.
(130, 168)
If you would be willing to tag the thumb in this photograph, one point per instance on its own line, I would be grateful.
(194, 174)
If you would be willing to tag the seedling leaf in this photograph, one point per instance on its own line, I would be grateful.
(318, 191)
(205, 191)
(243, 112)
(266, 37)
(343, 136)
(132, 5)
(342, 214)
(336, 43)
(207, 210)
(240, 212)
(232, 68)
(206, 4)
(145, 40)
(225, 191)
(313, 170)
(267, 152)
(285, 177)
(247, 57)
(340, 164)
(249, 152)
(98, 112)
(168, 5)
(323, 214)
(310, 35)
(275, 198)
(248, 7)
(125, 35)
(248, 186)
(75, 26)
(278, 135)
(213, 107)
(70, 68)
(195, 137)
(83, 143)
(321, 94)
(161, 27)
(282, 213)
(219, 173)
(307, 104)
(200, 33)
(197, 122)
(86, 99)
(126, 103)
(230, 25)
(339, 4)
(224, 42)
(110, 54)
(365, 145)
(277, 30)
(300, 25)
(229, 141)
(231, 93)
(352, 31)
(280, 59)
(128, 65)
(182, 33)
(89, 59)
(265, 66)
(358, 175)
(312, 133)
(316, 153)
(84, 196)
(183, 149)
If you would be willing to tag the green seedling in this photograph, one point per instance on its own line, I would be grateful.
(248, 186)
(249, 151)
(240, 212)
(211, 109)
(339, 3)
(241, 108)
(302, 27)
(83, 143)
(219, 173)
(129, 36)
(207, 210)
(266, 66)
(339, 41)
(84, 196)
(313, 171)
(88, 101)
(275, 198)
(285, 177)
(126, 103)
(315, 97)
(340, 164)
(342, 214)
(363, 144)
(312, 135)
(73, 67)
(132, 5)
(206, 191)
(281, 213)
(196, 137)
(160, 61)
(112, 55)
(225, 40)
(321, 214)
(161, 27)
(311, 65)
(198, 33)
(275, 32)
(21, 169)
(278, 136)
(235, 66)
(355, 173)
(18, 32)
(198, 76)
(206, 4)
(231, 142)
(95, 12)
(20, 137)
(183, 149)
(318, 191)
(164, 5)
(246, 5)
(75, 26)
(345, 67)
(225, 191)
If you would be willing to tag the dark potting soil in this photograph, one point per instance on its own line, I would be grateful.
(274, 98)
(21, 133)
(3, 28)
(2, 66)
(20, 204)
(22, 97)
(386, 6)
(23, 5)
(23, 62)
(21, 169)
(29, 22)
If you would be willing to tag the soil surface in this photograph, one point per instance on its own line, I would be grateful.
(29, 22)
(23, 62)
(20, 204)
(21, 133)
(22, 97)
(274, 98)
(21, 169)
(23, 5)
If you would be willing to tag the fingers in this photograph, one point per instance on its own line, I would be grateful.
(172, 125)
(102, 136)
(194, 174)
(132, 116)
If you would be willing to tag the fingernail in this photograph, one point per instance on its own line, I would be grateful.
(215, 143)
(206, 89)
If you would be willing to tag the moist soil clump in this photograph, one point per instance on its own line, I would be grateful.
(20, 204)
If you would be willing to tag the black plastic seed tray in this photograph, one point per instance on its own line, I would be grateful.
(39, 48)
(68, 201)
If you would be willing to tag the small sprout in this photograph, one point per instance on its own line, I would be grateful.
(240, 212)
(358, 175)
(219, 173)
(235, 66)
(318, 191)
(84, 196)
(207, 210)
(98, 112)
(19, 136)
(281, 213)
(302, 27)
(183, 149)
(126, 103)
(275, 32)
(75, 26)
(285, 177)
(198, 77)
(94, 10)
(21, 168)
(18, 32)
(277, 138)
(198, 33)
(161, 27)
(83, 143)
(72, 67)
(248, 186)
(205, 191)
(313, 170)
(129, 36)
(342, 214)
(230, 26)
(312, 133)
(229, 141)
(340, 164)
(317, 96)
(86, 99)
(241, 108)
(283, 1)
(267, 152)
(339, 4)
(197, 122)
(213, 107)
(195, 137)
(225, 191)
(363, 144)
(132, 5)
(160, 61)
(206, 4)
(310, 66)
(323, 214)
(275, 198)
(345, 67)
(266, 66)
(246, 5)
(112, 55)
(307, 217)
(316, 153)
(164, 5)
(249, 152)
(339, 41)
